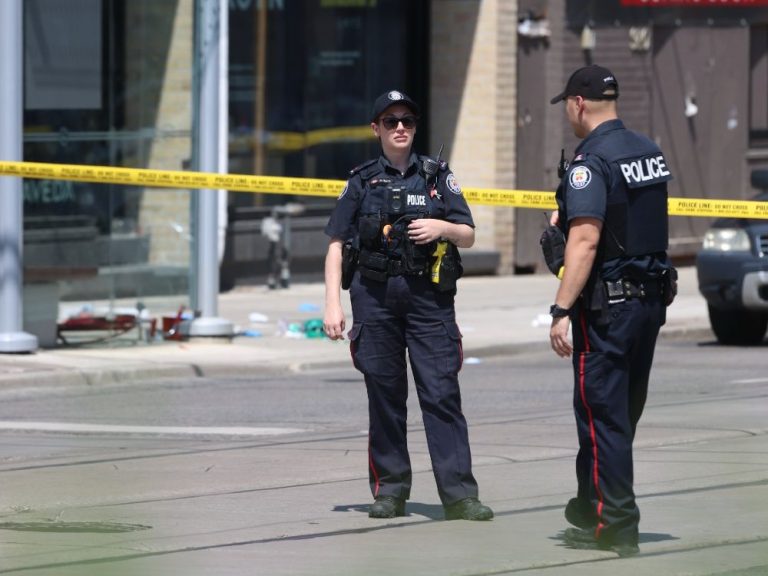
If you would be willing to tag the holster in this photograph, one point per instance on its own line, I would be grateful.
(552, 243)
(446, 268)
(669, 284)
(349, 255)
(595, 298)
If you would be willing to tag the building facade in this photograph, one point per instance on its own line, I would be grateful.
(111, 82)
(692, 77)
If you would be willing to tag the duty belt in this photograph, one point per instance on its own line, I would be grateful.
(399, 268)
(628, 288)
(378, 266)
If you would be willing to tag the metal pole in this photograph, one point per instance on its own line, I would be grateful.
(260, 72)
(223, 136)
(207, 121)
(12, 338)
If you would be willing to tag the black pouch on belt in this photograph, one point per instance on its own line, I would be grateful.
(669, 284)
(373, 265)
(553, 247)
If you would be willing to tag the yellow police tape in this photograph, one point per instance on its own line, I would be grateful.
(332, 188)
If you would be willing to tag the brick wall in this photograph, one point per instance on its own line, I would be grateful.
(159, 88)
(506, 123)
(472, 104)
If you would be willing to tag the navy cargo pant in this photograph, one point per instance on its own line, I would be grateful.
(405, 312)
(612, 363)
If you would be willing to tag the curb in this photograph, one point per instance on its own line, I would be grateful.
(61, 378)
(697, 333)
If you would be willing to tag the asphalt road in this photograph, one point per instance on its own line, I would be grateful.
(531, 381)
(267, 475)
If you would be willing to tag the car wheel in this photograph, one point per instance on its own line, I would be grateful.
(739, 327)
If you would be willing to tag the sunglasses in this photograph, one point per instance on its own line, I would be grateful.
(391, 122)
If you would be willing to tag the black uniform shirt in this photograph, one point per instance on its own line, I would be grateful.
(584, 194)
(585, 185)
(448, 200)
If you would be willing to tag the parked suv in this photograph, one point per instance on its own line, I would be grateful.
(732, 268)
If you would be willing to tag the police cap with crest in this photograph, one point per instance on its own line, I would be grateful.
(591, 83)
(390, 99)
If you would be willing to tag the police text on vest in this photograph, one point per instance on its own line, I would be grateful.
(644, 170)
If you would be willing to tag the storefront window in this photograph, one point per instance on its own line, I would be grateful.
(107, 82)
(302, 78)
(315, 76)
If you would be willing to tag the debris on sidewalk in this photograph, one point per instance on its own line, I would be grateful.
(312, 328)
(257, 318)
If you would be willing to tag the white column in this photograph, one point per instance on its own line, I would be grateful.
(12, 338)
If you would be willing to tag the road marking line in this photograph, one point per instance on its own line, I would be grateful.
(749, 381)
(118, 429)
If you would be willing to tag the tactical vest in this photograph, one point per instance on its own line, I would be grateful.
(637, 195)
(387, 206)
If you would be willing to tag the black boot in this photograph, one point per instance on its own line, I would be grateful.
(387, 507)
(585, 540)
(581, 513)
(468, 509)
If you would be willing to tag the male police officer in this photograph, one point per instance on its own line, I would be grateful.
(394, 233)
(612, 207)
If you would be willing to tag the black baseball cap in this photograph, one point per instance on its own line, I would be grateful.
(591, 83)
(390, 99)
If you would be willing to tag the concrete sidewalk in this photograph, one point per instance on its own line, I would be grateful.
(497, 315)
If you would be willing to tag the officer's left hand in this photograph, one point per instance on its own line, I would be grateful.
(426, 230)
(558, 336)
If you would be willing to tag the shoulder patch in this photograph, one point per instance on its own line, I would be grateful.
(452, 184)
(363, 166)
(580, 177)
(579, 158)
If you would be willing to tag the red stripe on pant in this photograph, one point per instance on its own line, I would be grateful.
(592, 433)
(353, 351)
(373, 469)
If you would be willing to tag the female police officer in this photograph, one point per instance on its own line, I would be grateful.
(395, 229)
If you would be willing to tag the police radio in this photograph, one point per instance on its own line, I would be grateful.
(430, 167)
(562, 166)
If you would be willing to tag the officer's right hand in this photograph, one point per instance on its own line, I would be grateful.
(334, 323)
(554, 218)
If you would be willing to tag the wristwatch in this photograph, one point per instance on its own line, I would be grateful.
(558, 311)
